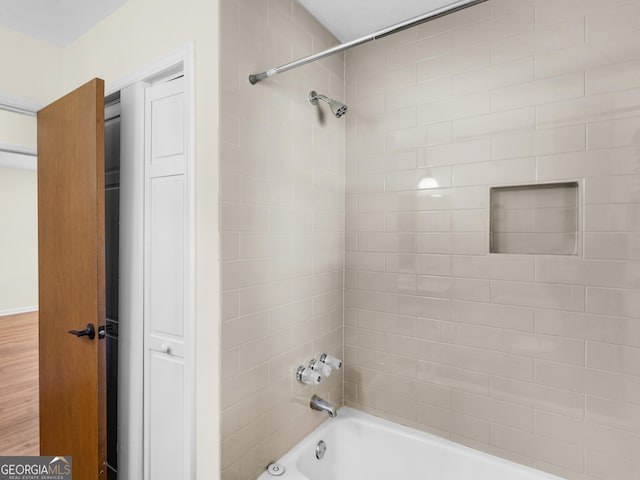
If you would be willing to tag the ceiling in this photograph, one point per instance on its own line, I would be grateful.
(351, 19)
(58, 22)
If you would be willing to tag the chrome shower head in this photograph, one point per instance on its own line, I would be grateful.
(338, 108)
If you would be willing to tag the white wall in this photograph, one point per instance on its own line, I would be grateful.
(31, 68)
(18, 240)
(17, 129)
(18, 216)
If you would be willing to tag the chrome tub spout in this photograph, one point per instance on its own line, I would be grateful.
(322, 405)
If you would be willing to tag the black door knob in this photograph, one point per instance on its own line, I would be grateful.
(89, 331)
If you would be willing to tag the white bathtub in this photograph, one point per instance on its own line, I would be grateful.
(363, 447)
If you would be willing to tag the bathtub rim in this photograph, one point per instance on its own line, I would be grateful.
(289, 459)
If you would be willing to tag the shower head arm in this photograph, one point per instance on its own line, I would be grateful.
(314, 97)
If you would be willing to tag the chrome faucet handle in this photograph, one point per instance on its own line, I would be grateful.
(307, 376)
(333, 362)
(320, 367)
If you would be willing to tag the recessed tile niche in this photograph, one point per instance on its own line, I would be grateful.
(535, 219)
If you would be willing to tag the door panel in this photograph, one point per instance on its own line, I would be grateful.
(166, 417)
(72, 278)
(165, 260)
(166, 289)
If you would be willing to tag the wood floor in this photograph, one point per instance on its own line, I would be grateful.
(19, 431)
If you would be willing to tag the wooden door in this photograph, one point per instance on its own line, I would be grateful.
(72, 279)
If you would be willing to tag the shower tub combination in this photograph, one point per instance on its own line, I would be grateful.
(359, 446)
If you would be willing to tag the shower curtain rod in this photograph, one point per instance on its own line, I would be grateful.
(432, 15)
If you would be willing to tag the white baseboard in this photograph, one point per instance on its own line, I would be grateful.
(16, 311)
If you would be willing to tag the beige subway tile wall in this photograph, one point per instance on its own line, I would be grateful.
(282, 228)
(531, 357)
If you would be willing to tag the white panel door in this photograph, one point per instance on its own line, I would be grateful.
(165, 280)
